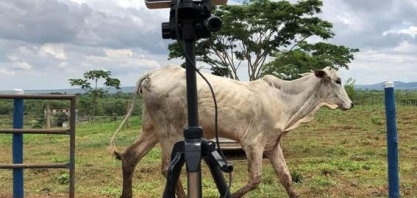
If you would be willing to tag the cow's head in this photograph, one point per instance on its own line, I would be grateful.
(332, 90)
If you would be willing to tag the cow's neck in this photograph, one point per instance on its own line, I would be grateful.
(300, 99)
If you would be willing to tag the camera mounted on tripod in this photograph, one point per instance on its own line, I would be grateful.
(191, 20)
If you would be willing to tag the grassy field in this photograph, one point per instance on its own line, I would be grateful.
(339, 154)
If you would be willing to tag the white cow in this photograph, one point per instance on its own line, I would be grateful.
(257, 114)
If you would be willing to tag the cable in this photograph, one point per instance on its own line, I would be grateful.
(211, 90)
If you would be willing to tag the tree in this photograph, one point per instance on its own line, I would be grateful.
(260, 30)
(94, 93)
(115, 107)
(290, 64)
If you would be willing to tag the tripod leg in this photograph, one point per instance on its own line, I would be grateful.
(173, 174)
(218, 178)
(212, 158)
(276, 157)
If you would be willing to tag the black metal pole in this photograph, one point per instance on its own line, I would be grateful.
(191, 83)
(192, 133)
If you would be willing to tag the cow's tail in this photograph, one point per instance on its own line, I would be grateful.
(137, 91)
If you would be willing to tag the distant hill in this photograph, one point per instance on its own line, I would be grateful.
(397, 85)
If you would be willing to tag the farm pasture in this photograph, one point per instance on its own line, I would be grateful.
(338, 154)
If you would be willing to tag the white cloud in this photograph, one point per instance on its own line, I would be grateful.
(118, 53)
(374, 66)
(410, 31)
(4, 71)
(405, 47)
(55, 50)
(22, 66)
(121, 62)
(63, 64)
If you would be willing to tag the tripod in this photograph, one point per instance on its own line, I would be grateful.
(189, 21)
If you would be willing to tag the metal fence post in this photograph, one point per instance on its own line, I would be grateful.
(18, 191)
(392, 141)
(18, 166)
(72, 148)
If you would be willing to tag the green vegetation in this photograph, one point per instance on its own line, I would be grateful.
(111, 108)
(350, 88)
(338, 154)
(94, 93)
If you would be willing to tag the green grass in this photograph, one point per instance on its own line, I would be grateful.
(338, 154)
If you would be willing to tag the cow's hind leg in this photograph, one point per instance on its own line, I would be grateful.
(254, 157)
(134, 153)
(276, 157)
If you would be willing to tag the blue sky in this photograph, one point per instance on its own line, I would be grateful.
(43, 43)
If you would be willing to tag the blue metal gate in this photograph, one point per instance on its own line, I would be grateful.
(18, 131)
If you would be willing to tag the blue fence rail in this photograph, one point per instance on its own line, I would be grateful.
(18, 131)
(392, 141)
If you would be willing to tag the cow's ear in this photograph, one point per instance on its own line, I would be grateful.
(321, 73)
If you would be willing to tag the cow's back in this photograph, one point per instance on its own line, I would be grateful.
(164, 94)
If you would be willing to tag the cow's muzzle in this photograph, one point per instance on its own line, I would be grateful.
(347, 107)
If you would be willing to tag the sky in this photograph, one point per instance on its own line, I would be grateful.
(43, 43)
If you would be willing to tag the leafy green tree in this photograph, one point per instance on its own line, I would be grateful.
(289, 64)
(260, 30)
(93, 91)
(84, 104)
(115, 107)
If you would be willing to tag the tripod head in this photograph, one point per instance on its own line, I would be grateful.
(190, 20)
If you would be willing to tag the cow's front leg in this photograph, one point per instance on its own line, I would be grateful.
(254, 157)
(276, 157)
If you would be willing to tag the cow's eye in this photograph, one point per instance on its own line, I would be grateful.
(338, 82)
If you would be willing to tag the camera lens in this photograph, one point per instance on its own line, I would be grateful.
(213, 23)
